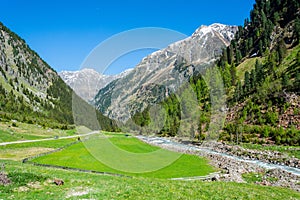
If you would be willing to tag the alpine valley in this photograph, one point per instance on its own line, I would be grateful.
(218, 111)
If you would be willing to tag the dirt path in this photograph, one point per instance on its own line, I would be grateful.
(48, 139)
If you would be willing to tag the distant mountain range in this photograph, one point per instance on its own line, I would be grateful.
(162, 72)
(87, 82)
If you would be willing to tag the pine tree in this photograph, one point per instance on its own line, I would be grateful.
(233, 75)
(247, 84)
(297, 29)
(285, 80)
(230, 54)
(281, 50)
(259, 71)
(238, 56)
(260, 46)
(253, 79)
(238, 93)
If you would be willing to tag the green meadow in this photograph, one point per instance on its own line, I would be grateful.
(34, 182)
(79, 156)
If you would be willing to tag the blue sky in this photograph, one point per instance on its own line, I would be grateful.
(64, 32)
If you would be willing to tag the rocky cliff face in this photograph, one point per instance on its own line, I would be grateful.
(163, 72)
(87, 82)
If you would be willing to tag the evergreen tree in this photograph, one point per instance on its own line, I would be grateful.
(285, 80)
(238, 56)
(247, 84)
(233, 75)
(260, 47)
(230, 54)
(281, 50)
(297, 29)
(258, 71)
(253, 79)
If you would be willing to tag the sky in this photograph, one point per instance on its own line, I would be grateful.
(64, 32)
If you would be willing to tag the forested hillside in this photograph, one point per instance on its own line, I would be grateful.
(261, 74)
(261, 71)
(31, 91)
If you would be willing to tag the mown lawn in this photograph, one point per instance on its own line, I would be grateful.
(32, 182)
(79, 156)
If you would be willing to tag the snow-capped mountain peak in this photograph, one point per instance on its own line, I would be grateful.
(87, 82)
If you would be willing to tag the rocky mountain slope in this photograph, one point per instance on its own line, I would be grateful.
(163, 72)
(87, 82)
(31, 91)
(27, 82)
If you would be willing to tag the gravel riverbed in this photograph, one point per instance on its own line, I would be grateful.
(233, 161)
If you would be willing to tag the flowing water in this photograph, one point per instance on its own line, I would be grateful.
(164, 141)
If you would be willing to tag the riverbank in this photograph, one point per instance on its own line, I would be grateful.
(231, 165)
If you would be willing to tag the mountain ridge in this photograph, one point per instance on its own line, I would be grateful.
(87, 82)
(33, 92)
(169, 67)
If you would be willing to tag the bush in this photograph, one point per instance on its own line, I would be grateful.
(272, 118)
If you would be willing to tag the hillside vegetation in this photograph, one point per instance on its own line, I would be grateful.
(260, 71)
(32, 182)
(32, 92)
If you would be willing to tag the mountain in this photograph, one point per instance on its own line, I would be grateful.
(87, 82)
(260, 70)
(264, 93)
(31, 91)
(163, 72)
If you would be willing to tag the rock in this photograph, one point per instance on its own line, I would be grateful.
(232, 169)
(4, 180)
(58, 182)
(170, 68)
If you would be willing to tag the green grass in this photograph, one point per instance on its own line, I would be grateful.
(78, 156)
(245, 66)
(8, 136)
(290, 150)
(252, 177)
(132, 144)
(256, 177)
(16, 131)
(38, 183)
(33, 182)
(23, 150)
(47, 144)
(289, 63)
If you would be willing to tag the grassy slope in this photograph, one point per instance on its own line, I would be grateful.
(21, 151)
(107, 187)
(185, 166)
(22, 131)
(245, 66)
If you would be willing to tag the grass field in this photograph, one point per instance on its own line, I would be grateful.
(32, 182)
(16, 131)
(78, 156)
(35, 182)
(245, 66)
(23, 150)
